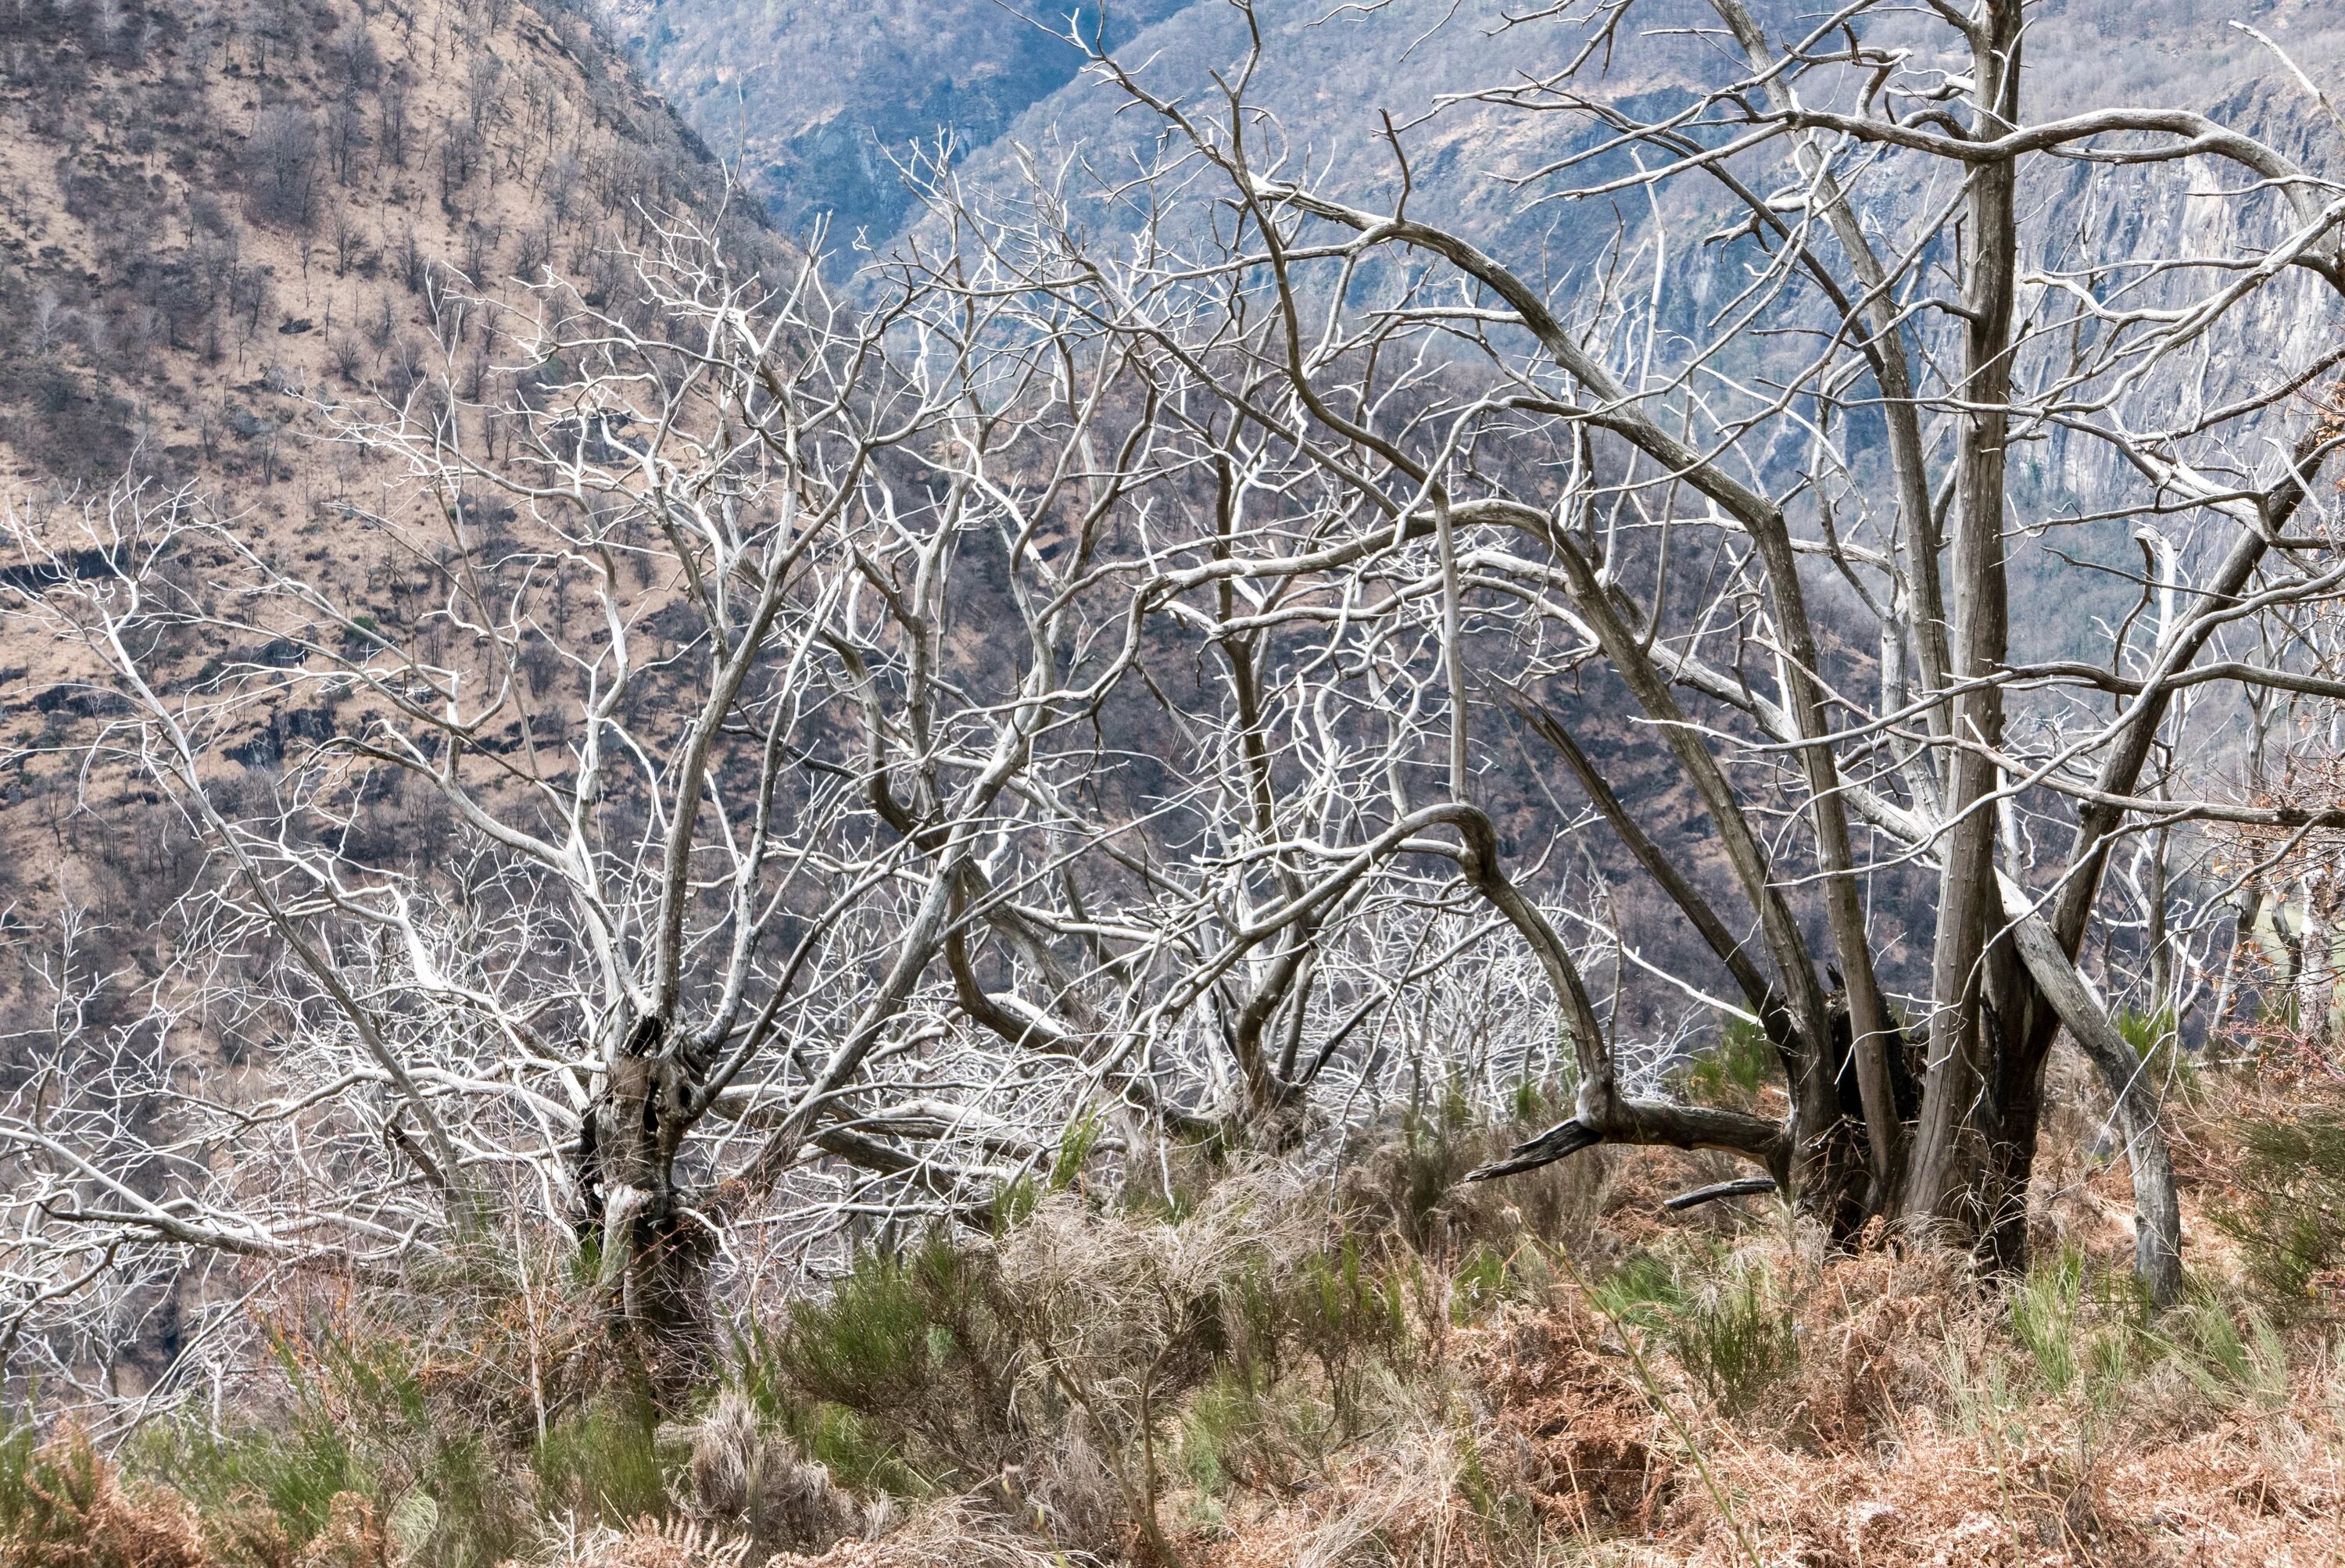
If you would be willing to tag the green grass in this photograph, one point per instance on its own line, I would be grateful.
(2237, 1359)
(1643, 1291)
(2167, 1067)
(2044, 1316)
(357, 1418)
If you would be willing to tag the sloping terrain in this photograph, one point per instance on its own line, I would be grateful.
(815, 98)
(1396, 1374)
(219, 222)
(210, 211)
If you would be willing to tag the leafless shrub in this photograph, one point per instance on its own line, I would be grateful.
(349, 356)
(345, 139)
(461, 150)
(378, 323)
(483, 81)
(349, 240)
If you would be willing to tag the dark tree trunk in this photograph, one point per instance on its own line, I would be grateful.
(653, 1256)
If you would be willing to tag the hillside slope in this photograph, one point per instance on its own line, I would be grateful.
(207, 208)
(219, 222)
(816, 97)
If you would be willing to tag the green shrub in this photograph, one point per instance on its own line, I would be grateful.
(1229, 1435)
(845, 1443)
(910, 1345)
(1480, 1283)
(294, 1471)
(1735, 1068)
(1733, 1338)
(16, 1445)
(829, 1434)
(1351, 1318)
(1736, 1340)
(1536, 1103)
(603, 1463)
(1406, 1180)
(1076, 1146)
(2288, 1209)
(1436, 1147)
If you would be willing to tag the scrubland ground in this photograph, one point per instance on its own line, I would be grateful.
(1225, 1364)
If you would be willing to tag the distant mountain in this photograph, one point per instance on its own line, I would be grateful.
(1330, 72)
(815, 97)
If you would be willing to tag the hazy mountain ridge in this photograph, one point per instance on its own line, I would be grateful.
(814, 96)
(817, 99)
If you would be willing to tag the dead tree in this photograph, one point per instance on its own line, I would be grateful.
(1835, 447)
(763, 766)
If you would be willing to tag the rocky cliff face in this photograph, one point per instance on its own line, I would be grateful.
(816, 97)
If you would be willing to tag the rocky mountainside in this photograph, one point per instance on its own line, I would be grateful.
(211, 213)
(812, 93)
(220, 222)
(818, 99)
(815, 97)
(1328, 76)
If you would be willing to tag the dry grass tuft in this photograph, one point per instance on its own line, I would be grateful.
(1870, 1328)
(953, 1533)
(1407, 1504)
(744, 1472)
(1568, 1412)
(649, 1543)
(353, 1537)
